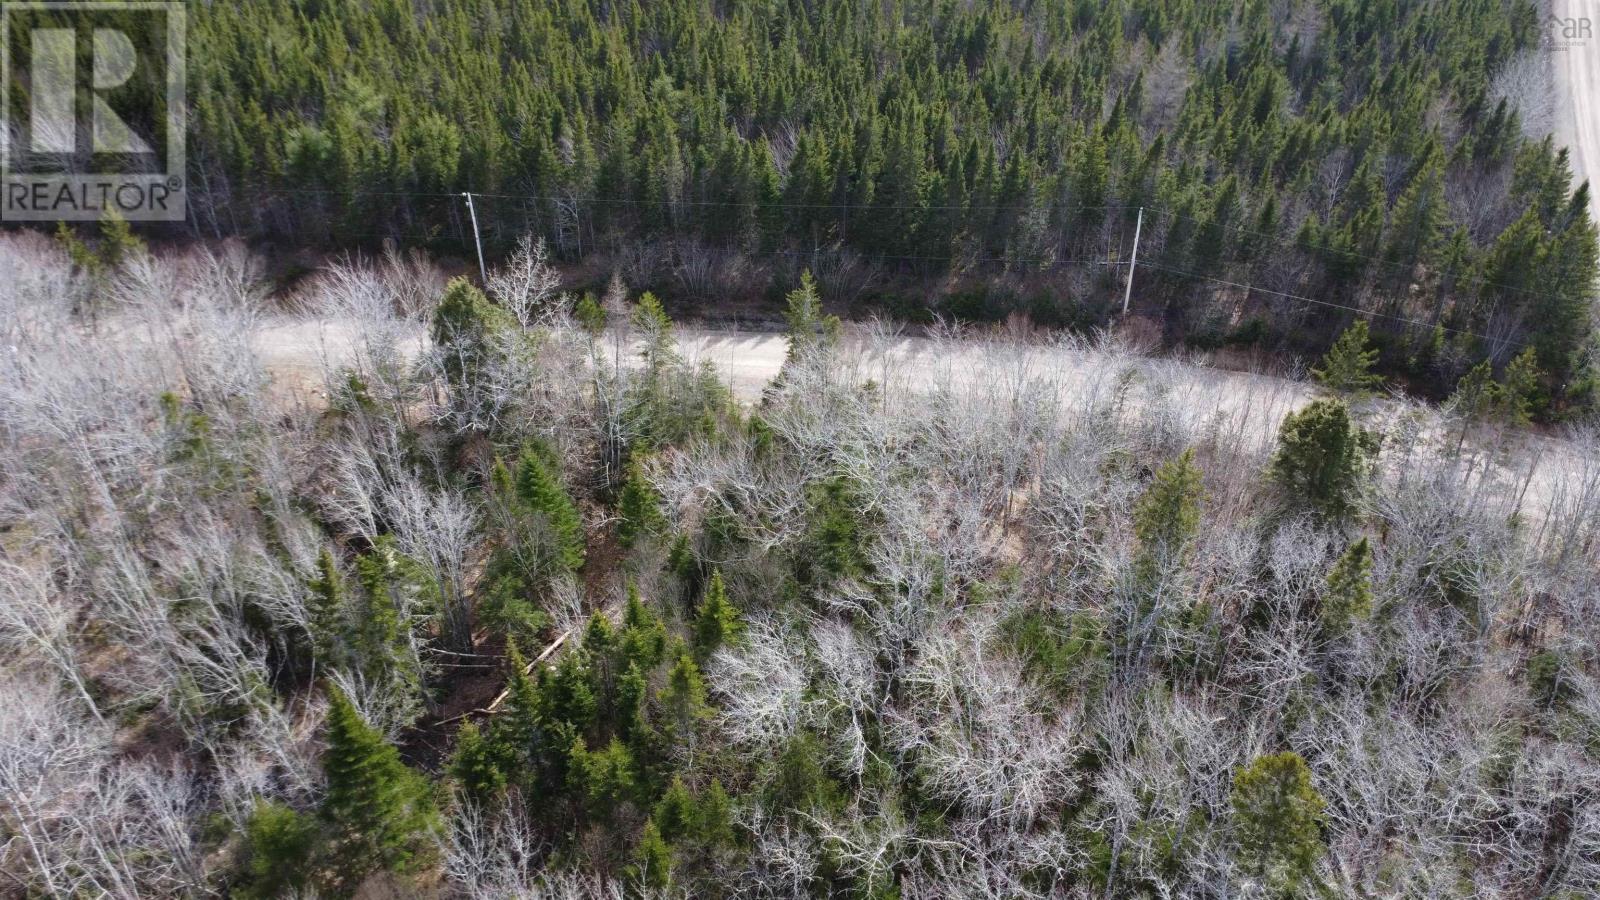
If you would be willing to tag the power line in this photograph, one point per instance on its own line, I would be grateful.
(1355, 309)
(634, 201)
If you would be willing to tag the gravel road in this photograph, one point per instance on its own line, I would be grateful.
(1576, 62)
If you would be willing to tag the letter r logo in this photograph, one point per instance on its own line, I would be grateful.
(54, 115)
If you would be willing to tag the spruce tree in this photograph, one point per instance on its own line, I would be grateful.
(717, 622)
(326, 610)
(1519, 389)
(1348, 595)
(540, 490)
(639, 507)
(281, 843)
(1277, 819)
(653, 858)
(1347, 368)
(379, 812)
(1166, 517)
(1322, 460)
(475, 765)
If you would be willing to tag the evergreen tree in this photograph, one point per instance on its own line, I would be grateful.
(1348, 595)
(540, 490)
(281, 844)
(1166, 517)
(653, 858)
(1322, 460)
(718, 622)
(378, 811)
(326, 610)
(514, 733)
(465, 329)
(1475, 397)
(808, 326)
(1348, 366)
(475, 766)
(639, 507)
(1519, 389)
(1277, 819)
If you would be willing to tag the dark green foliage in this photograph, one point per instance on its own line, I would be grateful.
(1064, 653)
(326, 610)
(565, 694)
(465, 328)
(281, 842)
(1277, 820)
(639, 507)
(834, 547)
(590, 314)
(1322, 460)
(1348, 366)
(475, 766)
(1348, 596)
(798, 781)
(604, 779)
(507, 608)
(644, 638)
(379, 813)
(808, 326)
(717, 622)
(946, 139)
(653, 858)
(1167, 516)
(1546, 680)
(540, 490)
(1520, 389)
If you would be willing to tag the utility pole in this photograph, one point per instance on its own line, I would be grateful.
(483, 273)
(1133, 261)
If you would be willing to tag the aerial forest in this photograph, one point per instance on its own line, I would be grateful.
(334, 566)
(972, 160)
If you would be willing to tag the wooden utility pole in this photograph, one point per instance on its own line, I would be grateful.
(483, 273)
(1127, 293)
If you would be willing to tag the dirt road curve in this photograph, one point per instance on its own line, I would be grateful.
(1576, 62)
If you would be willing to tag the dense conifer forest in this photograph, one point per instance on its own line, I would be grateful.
(374, 580)
(970, 158)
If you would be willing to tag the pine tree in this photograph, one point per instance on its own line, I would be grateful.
(540, 490)
(1166, 517)
(1277, 819)
(379, 812)
(717, 622)
(1348, 366)
(1322, 460)
(1348, 596)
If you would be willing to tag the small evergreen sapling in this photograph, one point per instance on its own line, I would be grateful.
(1347, 368)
